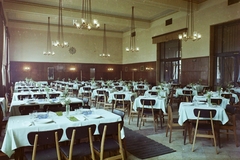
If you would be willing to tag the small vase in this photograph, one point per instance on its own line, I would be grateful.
(209, 101)
(67, 110)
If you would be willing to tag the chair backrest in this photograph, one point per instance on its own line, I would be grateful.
(39, 96)
(81, 132)
(120, 113)
(21, 97)
(148, 102)
(44, 138)
(54, 95)
(153, 92)
(140, 86)
(74, 106)
(25, 110)
(53, 107)
(119, 96)
(101, 91)
(226, 95)
(204, 113)
(111, 129)
(187, 91)
(230, 109)
(216, 101)
(87, 88)
(119, 88)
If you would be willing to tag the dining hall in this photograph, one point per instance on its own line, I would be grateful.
(119, 79)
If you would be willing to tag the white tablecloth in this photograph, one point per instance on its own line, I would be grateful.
(14, 108)
(161, 93)
(179, 91)
(186, 112)
(15, 95)
(203, 98)
(19, 126)
(160, 103)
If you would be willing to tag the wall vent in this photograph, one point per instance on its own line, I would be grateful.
(168, 22)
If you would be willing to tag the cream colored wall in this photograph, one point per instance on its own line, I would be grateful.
(204, 18)
(28, 42)
(28, 45)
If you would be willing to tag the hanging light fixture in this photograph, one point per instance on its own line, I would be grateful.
(60, 41)
(49, 46)
(86, 21)
(104, 53)
(190, 34)
(133, 47)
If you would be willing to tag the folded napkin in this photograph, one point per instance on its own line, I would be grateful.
(72, 118)
(59, 113)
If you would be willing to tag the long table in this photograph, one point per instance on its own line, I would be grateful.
(14, 108)
(19, 126)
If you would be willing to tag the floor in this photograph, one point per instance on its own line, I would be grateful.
(203, 147)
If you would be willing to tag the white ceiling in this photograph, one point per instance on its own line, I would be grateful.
(116, 14)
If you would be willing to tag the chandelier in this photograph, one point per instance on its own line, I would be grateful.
(49, 46)
(190, 34)
(104, 53)
(86, 20)
(60, 41)
(133, 47)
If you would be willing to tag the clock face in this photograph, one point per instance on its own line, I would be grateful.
(72, 50)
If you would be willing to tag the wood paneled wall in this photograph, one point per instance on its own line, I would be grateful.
(194, 69)
(38, 71)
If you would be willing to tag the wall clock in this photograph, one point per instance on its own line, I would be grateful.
(72, 50)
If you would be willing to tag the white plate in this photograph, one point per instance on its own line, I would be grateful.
(43, 121)
(201, 102)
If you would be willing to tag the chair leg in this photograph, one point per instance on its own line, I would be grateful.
(194, 139)
(235, 136)
(170, 136)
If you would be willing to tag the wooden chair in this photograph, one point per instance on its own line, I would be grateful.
(187, 95)
(44, 138)
(100, 98)
(81, 143)
(26, 109)
(119, 88)
(172, 124)
(230, 127)
(110, 141)
(120, 102)
(132, 113)
(121, 114)
(207, 128)
(107, 105)
(148, 113)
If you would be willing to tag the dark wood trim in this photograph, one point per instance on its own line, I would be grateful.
(168, 36)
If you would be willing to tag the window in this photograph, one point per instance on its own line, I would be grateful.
(169, 61)
(227, 53)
